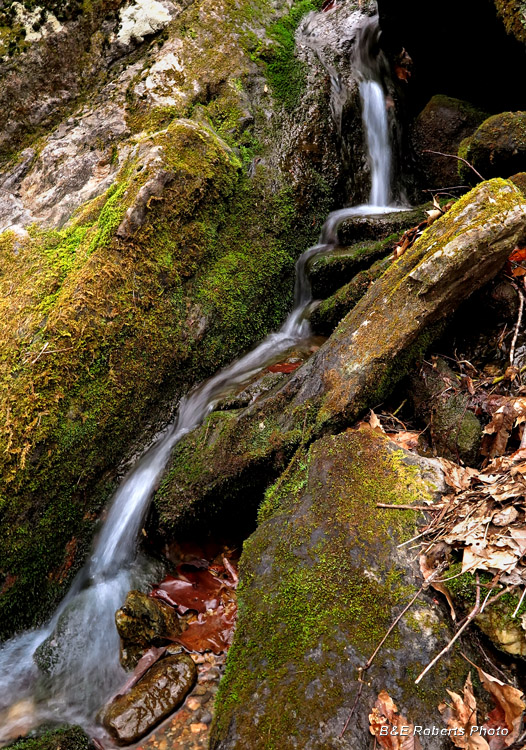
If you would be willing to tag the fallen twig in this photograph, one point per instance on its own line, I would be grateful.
(518, 324)
(393, 625)
(474, 612)
(453, 156)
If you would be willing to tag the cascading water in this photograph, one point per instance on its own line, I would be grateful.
(79, 646)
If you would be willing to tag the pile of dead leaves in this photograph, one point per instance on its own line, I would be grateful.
(204, 596)
(484, 517)
(498, 730)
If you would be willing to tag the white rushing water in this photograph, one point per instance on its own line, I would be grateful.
(80, 645)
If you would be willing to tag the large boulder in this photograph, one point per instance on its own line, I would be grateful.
(227, 461)
(496, 149)
(441, 126)
(321, 581)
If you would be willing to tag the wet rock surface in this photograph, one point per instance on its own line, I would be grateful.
(143, 622)
(162, 689)
(322, 579)
(189, 727)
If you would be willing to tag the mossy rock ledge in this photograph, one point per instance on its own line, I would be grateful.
(321, 580)
(223, 465)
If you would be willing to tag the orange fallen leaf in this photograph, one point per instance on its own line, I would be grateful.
(398, 731)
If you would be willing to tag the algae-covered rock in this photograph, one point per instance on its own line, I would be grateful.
(321, 581)
(143, 622)
(496, 149)
(162, 689)
(332, 310)
(512, 13)
(441, 126)
(230, 458)
(63, 738)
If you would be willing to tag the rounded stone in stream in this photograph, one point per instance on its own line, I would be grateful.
(162, 689)
(143, 622)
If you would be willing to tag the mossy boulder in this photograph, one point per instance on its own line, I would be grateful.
(63, 738)
(496, 149)
(327, 315)
(227, 461)
(441, 126)
(456, 431)
(321, 581)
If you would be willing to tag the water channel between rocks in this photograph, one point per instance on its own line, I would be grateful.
(81, 639)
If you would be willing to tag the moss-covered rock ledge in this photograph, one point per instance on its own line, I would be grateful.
(321, 582)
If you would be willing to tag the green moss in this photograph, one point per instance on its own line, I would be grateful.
(286, 74)
(65, 738)
(305, 606)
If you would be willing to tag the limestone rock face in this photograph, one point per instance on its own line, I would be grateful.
(321, 580)
(162, 689)
(150, 216)
(497, 148)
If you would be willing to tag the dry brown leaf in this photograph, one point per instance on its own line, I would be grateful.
(385, 714)
(405, 439)
(498, 431)
(458, 477)
(509, 700)
(375, 422)
(461, 715)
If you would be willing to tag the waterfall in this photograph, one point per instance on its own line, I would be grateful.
(80, 644)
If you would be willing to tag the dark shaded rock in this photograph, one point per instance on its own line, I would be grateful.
(496, 149)
(322, 580)
(162, 689)
(228, 460)
(331, 311)
(63, 738)
(379, 226)
(328, 273)
(143, 622)
(465, 65)
(441, 126)
(456, 431)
